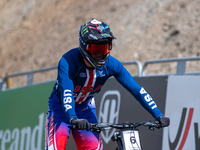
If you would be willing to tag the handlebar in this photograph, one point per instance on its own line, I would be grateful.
(98, 127)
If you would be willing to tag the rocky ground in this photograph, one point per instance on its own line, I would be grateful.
(35, 34)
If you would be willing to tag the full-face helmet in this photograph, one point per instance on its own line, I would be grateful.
(95, 37)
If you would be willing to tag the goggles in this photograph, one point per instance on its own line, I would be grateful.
(99, 48)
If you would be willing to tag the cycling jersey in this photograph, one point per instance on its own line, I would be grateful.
(77, 84)
(73, 97)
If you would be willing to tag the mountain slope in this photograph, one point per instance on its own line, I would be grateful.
(36, 34)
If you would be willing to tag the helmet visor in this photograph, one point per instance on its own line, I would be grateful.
(99, 48)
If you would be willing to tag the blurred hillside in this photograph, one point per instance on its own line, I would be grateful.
(35, 34)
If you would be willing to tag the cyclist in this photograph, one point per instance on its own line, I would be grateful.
(82, 72)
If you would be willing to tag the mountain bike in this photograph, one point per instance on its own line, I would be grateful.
(127, 136)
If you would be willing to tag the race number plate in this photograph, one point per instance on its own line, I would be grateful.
(131, 140)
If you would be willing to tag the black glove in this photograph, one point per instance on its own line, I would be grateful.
(80, 124)
(164, 121)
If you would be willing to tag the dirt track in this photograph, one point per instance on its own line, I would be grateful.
(35, 34)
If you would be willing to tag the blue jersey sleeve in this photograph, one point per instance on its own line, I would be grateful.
(66, 89)
(128, 82)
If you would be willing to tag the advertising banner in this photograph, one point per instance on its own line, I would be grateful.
(117, 105)
(183, 108)
(23, 117)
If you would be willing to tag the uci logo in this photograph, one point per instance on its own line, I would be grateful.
(109, 111)
(182, 107)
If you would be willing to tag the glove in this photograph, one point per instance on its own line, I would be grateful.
(80, 124)
(164, 121)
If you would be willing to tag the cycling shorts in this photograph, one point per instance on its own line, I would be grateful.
(58, 131)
